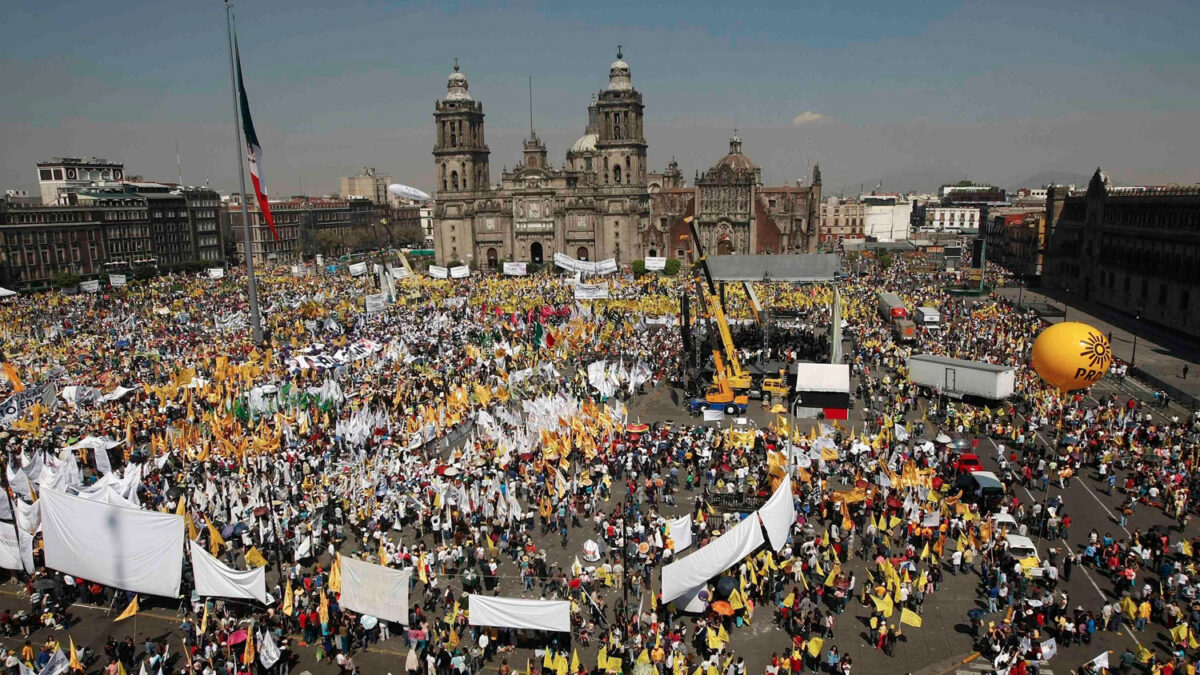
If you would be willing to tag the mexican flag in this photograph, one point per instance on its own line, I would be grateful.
(254, 151)
(543, 336)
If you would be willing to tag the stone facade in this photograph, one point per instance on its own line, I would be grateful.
(1135, 249)
(593, 208)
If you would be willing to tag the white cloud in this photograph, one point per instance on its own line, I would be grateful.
(808, 117)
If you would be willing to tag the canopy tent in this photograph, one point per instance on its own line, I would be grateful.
(4, 292)
(822, 387)
(801, 267)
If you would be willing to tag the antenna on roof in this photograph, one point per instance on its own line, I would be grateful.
(531, 107)
(179, 163)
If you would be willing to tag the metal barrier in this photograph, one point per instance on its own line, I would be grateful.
(1181, 397)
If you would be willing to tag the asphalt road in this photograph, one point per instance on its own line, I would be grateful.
(937, 647)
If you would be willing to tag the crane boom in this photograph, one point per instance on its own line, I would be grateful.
(737, 377)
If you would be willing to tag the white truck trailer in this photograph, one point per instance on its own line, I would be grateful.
(958, 377)
(927, 317)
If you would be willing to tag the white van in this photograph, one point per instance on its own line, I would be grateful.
(1022, 548)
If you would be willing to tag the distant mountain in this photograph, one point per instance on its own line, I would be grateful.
(908, 180)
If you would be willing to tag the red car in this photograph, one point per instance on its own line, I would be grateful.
(967, 463)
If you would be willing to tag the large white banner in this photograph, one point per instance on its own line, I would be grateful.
(116, 280)
(607, 266)
(438, 272)
(358, 269)
(655, 263)
(15, 554)
(372, 589)
(714, 415)
(516, 269)
(591, 291)
(460, 272)
(129, 549)
(215, 579)
(695, 570)
(375, 303)
(398, 272)
(216, 273)
(92, 286)
(520, 613)
(779, 514)
(566, 262)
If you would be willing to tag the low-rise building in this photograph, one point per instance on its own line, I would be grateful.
(841, 219)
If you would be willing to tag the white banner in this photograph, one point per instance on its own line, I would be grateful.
(375, 303)
(438, 272)
(1049, 649)
(566, 262)
(714, 415)
(398, 272)
(552, 615)
(18, 404)
(379, 591)
(215, 579)
(14, 555)
(655, 263)
(779, 514)
(116, 280)
(591, 291)
(358, 269)
(696, 569)
(216, 273)
(681, 532)
(607, 266)
(92, 286)
(129, 549)
(515, 269)
(460, 272)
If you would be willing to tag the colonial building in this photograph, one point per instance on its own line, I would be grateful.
(1136, 250)
(841, 219)
(592, 208)
(303, 225)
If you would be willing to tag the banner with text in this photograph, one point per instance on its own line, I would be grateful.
(92, 286)
(515, 269)
(591, 291)
(655, 263)
(375, 303)
(116, 280)
(216, 273)
(460, 272)
(607, 266)
(438, 272)
(358, 269)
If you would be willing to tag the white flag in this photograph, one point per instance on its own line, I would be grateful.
(714, 415)
(268, 652)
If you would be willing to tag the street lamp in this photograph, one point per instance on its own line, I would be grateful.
(1137, 324)
(1066, 303)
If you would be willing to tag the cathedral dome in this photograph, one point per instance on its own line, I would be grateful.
(586, 143)
(618, 75)
(456, 87)
(735, 160)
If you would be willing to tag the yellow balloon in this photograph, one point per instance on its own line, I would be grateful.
(1071, 355)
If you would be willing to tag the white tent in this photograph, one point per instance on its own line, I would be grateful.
(4, 293)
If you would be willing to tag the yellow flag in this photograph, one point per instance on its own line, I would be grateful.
(1179, 633)
(204, 619)
(255, 558)
(216, 541)
(248, 652)
(287, 600)
(575, 661)
(814, 646)
(383, 556)
(644, 657)
(335, 574)
(75, 664)
(130, 610)
(323, 608)
(910, 617)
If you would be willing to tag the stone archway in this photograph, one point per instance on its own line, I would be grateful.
(493, 258)
(653, 253)
(725, 245)
(581, 253)
(535, 252)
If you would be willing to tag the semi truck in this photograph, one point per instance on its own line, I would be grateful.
(906, 331)
(957, 378)
(891, 306)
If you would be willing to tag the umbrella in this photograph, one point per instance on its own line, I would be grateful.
(942, 438)
(778, 408)
(452, 471)
(240, 529)
(237, 637)
(637, 428)
(368, 621)
(723, 608)
(227, 530)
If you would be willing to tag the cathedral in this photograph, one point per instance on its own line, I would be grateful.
(602, 203)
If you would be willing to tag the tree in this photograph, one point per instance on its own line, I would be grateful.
(65, 279)
(673, 266)
(885, 260)
(638, 266)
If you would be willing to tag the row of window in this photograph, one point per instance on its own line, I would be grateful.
(1108, 279)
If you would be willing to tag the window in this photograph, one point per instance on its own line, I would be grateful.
(771, 203)
(454, 180)
(1183, 299)
(45, 174)
(617, 174)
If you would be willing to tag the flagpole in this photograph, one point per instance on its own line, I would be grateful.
(252, 287)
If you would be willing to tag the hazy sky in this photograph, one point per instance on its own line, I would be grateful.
(871, 90)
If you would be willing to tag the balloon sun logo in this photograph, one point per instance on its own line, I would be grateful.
(1096, 350)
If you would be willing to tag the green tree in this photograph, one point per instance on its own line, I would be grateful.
(673, 266)
(638, 266)
(65, 279)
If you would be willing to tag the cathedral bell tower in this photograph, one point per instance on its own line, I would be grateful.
(618, 121)
(461, 154)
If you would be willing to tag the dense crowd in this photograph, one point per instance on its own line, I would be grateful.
(464, 433)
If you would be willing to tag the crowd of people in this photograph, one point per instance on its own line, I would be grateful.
(465, 432)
